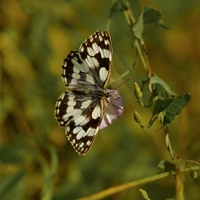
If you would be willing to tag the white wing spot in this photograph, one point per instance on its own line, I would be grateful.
(73, 141)
(101, 52)
(95, 61)
(81, 145)
(71, 102)
(80, 67)
(68, 129)
(64, 72)
(64, 79)
(96, 112)
(76, 76)
(90, 79)
(85, 104)
(90, 51)
(65, 64)
(82, 150)
(84, 122)
(80, 134)
(70, 109)
(106, 42)
(89, 62)
(88, 143)
(76, 145)
(76, 70)
(100, 38)
(106, 53)
(82, 49)
(58, 104)
(75, 113)
(91, 39)
(79, 120)
(73, 82)
(57, 110)
(103, 73)
(91, 132)
(95, 48)
(62, 96)
(77, 129)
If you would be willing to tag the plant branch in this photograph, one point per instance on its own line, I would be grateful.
(139, 42)
(122, 187)
(168, 143)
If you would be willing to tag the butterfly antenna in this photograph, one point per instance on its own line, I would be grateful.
(122, 83)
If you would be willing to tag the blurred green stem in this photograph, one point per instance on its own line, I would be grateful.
(128, 185)
(48, 170)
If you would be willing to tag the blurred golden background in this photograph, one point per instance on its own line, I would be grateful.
(36, 160)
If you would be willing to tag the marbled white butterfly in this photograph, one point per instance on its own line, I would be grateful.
(87, 106)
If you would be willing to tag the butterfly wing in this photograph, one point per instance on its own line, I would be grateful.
(96, 52)
(86, 70)
(91, 65)
(81, 115)
(113, 108)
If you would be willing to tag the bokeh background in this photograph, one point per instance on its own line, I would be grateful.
(36, 160)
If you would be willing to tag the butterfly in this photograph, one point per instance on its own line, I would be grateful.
(87, 106)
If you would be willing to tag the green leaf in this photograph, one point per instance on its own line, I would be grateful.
(169, 108)
(160, 24)
(144, 194)
(148, 16)
(160, 88)
(138, 27)
(117, 6)
(161, 105)
(176, 165)
(13, 187)
(194, 175)
(151, 15)
(175, 107)
(167, 166)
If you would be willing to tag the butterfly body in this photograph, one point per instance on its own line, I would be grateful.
(81, 109)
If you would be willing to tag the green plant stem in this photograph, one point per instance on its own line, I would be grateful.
(179, 187)
(143, 60)
(170, 149)
(168, 143)
(125, 186)
(139, 42)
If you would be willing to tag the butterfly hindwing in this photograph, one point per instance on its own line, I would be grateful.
(81, 115)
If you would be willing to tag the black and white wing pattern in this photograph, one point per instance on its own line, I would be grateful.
(81, 109)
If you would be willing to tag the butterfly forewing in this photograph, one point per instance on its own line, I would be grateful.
(75, 72)
(91, 64)
(86, 73)
(96, 52)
